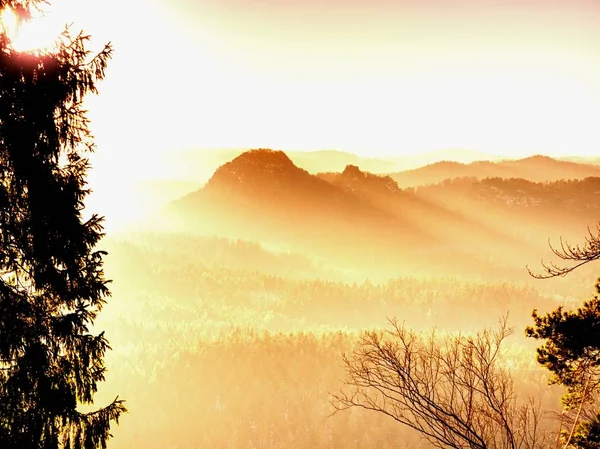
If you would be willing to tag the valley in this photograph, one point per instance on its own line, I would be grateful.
(232, 305)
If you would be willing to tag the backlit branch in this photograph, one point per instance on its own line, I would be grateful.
(453, 391)
(582, 254)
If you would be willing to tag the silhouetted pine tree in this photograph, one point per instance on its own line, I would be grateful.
(51, 279)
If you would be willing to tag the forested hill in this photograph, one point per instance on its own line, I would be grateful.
(262, 194)
(537, 210)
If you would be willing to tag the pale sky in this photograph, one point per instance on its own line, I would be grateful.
(378, 77)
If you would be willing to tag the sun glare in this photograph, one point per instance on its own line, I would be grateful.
(9, 23)
(38, 33)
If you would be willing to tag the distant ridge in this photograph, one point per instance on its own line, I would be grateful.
(535, 168)
(266, 184)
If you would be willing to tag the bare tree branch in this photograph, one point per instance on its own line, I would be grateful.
(581, 254)
(453, 390)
